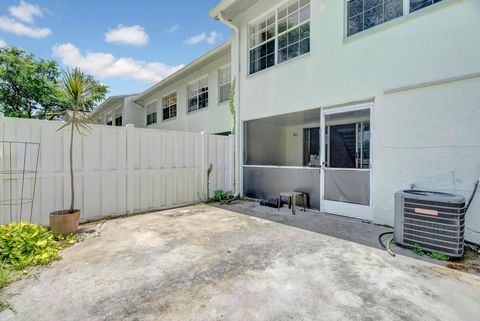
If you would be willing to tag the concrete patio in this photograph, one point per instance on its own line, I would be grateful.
(208, 263)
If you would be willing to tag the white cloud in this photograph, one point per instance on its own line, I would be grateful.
(3, 44)
(210, 38)
(134, 35)
(26, 11)
(105, 65)
(172, 29)
(11, 25)
(196, 39)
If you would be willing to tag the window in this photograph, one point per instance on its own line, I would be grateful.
(118, 118)
(365, 14)
(151, 113)
(420, 4)
(197, 94)
(311, 147)
(99, 120)
(262, 44)
(287, 28)
(293, 30)
(170, 106)
(224, 82)
(109, 119)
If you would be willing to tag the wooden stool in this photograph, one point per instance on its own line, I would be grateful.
(292, 200)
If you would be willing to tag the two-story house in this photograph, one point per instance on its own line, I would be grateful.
(195, 99)
(353, 100)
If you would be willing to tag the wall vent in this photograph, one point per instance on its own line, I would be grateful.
(433, 220)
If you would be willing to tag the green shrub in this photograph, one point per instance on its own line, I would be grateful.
(220, 196)
(24, 244)
(439, 256)
(4, 277)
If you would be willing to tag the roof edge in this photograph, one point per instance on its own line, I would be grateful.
(194, 63)
(220, 7)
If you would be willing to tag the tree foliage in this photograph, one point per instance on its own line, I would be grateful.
(31, 88)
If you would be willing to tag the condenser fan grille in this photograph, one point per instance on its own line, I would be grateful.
(435, 225)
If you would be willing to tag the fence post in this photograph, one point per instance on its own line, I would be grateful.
(205, 165)
(130, 141)
(232, 164)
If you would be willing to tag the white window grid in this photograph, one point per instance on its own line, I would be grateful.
(118, 118)
(197, 90)
(260, 31)
(224, 83)
(170, 102)
(151, 113)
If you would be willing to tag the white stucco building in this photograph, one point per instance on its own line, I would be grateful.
(347, 100)
(354, 100)
(194, 99)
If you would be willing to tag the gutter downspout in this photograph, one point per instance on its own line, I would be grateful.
(238, 129)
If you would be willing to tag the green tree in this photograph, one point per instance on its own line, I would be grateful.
(31, 88)
(77, 91)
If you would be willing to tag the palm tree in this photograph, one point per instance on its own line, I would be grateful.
(77, 90)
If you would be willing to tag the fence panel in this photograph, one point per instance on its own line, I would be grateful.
(118, 170)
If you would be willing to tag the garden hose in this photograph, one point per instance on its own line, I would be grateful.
(389, 242)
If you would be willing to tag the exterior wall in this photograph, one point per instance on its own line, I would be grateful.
(429, 136)
(216, 118)
(134, 114)
(110, 110)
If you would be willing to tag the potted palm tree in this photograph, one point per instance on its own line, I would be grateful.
(76, 90)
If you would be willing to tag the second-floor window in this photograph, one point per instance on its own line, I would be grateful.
(365, 14)
(197, 94)
(118, 118)
(420, 4)
(99, 120)
(170, 106)
(224, 82)
(151, 113)
(284, 34)
(109, 120)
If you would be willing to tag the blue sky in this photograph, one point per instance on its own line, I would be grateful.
(126, 44)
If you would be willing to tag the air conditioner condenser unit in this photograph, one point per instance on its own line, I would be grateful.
(433, 220)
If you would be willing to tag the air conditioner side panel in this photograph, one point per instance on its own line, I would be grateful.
(398, 227)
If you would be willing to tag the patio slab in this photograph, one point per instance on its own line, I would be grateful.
(208, 263)
(345, 228)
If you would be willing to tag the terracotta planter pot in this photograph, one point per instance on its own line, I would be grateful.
(64, 222)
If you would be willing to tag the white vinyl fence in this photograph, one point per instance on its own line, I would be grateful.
(118, 170)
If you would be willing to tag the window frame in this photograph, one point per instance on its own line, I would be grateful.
(229, 83)
(109, 118)
(198, 93)
(405, 15)
(264, 16)
(152, 104)
(116, 113)
(170, 106)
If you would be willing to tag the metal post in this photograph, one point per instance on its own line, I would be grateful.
(34, 182)
(23, 181)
